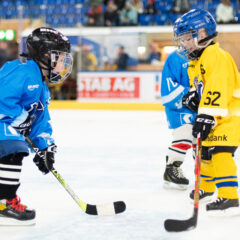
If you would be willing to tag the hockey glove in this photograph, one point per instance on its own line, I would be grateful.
(25, 127)
(191, 101)
(44, 159)
(203, 125)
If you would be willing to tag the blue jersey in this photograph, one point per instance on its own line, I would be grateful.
(23, 92)
(174, 85)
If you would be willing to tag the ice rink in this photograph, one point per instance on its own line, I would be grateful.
(107, 156)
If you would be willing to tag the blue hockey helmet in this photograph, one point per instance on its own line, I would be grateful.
(190, 23)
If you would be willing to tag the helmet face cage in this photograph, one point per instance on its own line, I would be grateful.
(182, 41)
(61, 66)
(187, 28)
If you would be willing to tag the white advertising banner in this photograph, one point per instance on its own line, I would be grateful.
(119, 86)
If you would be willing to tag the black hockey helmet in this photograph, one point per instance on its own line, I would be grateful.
(45, 45)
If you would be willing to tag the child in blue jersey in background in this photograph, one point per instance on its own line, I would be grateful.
(174, 86)
(24, 99)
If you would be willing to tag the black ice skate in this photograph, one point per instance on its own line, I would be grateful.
(223, 207)
(174, 178)
(13, 213)
(204, 197)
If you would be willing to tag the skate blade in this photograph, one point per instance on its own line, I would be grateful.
(171, 185)
(5, 221)
(230, 212)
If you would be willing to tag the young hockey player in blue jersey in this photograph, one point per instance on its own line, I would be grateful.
(174, 86)
(24, 99)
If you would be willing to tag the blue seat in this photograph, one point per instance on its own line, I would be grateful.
(79, 10)
(144, 2)
(70, 9)
(163, 6)
(238, 17)
(161, 19)
(18, 2)
(174, 17)
(50, 10)
(36, 2)
(26, 12)
(35, 12)
(146, 19)
(70, 21)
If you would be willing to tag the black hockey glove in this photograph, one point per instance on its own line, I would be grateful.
(191, 101)
(25, 127)
(203, 125)
(44, 159)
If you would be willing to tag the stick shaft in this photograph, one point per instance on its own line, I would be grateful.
(59, 178)
(100, 209)
(197, 172)
(174, 225)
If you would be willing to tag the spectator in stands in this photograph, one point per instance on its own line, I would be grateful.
(137, 4)
(154, 55)
(69, 89)
(12, 50)
(224, 12)
(122, 59)
(111, 17)
(119, 3)
(128, 16)
(181, 6)
(88, 60)
(150, 8)
(3, 53)
(95, 16)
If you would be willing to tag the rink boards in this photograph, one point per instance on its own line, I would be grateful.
(126, 90)
(72, 104)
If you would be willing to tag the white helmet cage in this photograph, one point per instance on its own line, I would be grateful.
(61, 66)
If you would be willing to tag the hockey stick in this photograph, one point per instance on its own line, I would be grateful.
(174, 225)
(100, 209)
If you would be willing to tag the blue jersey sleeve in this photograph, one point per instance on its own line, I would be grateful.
(175, 81)
(11, 91)
(41, 130)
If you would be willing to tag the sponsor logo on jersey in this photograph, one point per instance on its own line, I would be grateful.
(32, 87)
(214, 138)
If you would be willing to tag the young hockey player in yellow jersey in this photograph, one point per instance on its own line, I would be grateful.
(215, 81)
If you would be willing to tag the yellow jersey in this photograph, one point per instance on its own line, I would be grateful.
(216, 78)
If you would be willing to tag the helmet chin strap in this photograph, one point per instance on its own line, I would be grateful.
(207, 39)
(45, 67)
(202, 41)
(198, 51)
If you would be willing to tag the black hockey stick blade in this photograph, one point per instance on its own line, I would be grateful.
(174, 225)
(106, 209)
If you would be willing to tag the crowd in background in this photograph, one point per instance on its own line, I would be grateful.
(134, 12)
(75, 13)
(8, 51)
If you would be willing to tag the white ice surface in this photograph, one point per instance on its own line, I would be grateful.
(107, 156)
